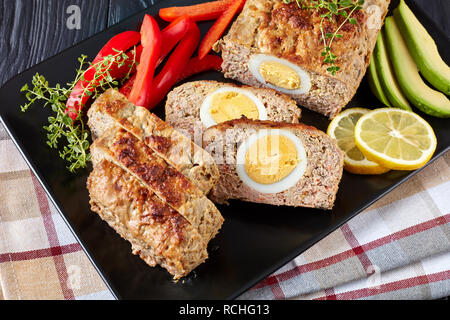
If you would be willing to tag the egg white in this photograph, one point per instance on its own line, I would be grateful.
(279, 186)
(256, 60)
(205, 114)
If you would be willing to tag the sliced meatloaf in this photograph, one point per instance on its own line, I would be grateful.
(112, 109)
(172, 187)
(316, 188)
(158, 234)
(184, 102)
(289, 32)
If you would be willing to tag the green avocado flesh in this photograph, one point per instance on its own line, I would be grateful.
(387, 77)
(422, 96)
(374, 82)
(422, 48)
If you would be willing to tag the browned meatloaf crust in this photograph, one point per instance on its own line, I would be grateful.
(286, 31)
(112, 109)
(184, 102)
(149, 183)
(171, 186)
(158, 234)
(317, 188)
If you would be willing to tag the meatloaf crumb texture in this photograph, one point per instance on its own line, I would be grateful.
(112, 109)
(184, 102)
(286, 31)
(316, 189)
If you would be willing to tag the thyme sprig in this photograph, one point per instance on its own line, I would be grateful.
(76, 145)
(331, 9)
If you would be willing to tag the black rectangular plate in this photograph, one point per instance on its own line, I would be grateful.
(255, 239)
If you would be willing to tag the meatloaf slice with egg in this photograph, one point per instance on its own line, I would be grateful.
(274, 163)
(158, 233)
(112, 109)
(194, 106)
(279, 45)
(131, 154)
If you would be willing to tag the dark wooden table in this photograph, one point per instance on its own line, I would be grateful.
(33, 30)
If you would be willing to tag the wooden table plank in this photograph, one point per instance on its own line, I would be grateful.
(32, 31)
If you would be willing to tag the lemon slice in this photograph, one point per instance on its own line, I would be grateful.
(396, 139)
(342, 128)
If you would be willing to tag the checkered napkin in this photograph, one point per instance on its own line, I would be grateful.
(399, 248)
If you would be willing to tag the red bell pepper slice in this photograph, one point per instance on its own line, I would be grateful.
(219, 27)
(175, 65)
(151, 41)
(195, 66)
(128, 86)
(199, 12)
(121, 42)
(172, 34)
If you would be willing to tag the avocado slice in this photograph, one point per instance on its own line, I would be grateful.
(422, 48)
(387, 77)
(374, 82)
(430, 101)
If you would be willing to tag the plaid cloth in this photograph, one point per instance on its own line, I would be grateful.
(399, 248)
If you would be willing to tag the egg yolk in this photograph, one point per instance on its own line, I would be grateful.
(231, 105)
(279, 75)
(271, 159)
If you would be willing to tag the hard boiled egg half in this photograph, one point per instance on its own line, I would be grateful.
(271, 160)
(228, 103)
(279, 74)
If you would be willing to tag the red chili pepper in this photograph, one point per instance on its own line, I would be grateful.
(121, 42)
(199, 12)
(172, 70)
(151, 41)
(195, 65)
(172, 34)
(219, 27)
